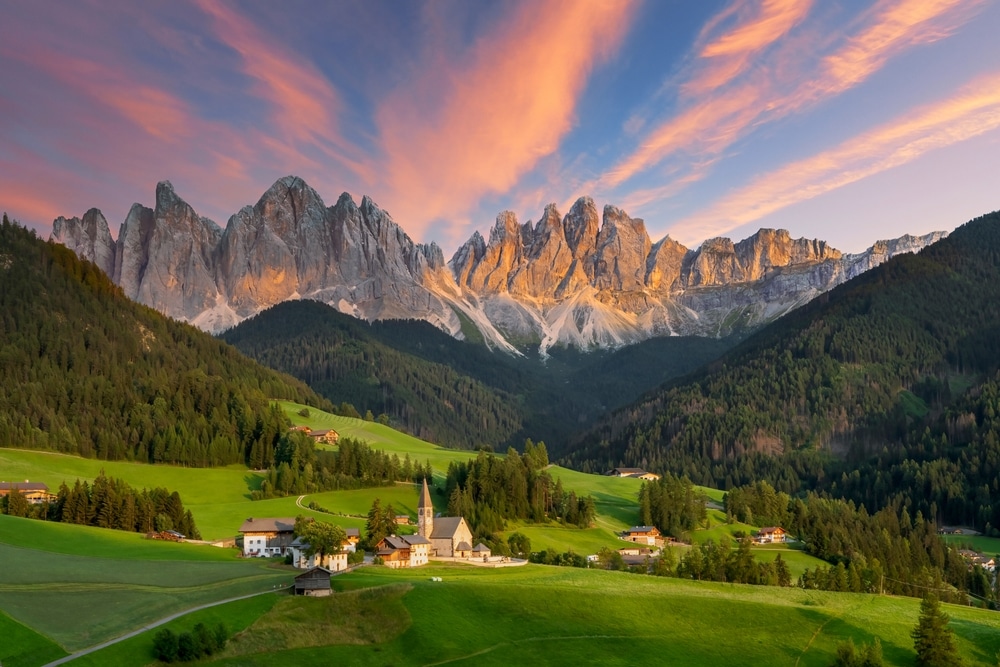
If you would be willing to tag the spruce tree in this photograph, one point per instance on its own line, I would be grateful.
(932, 638)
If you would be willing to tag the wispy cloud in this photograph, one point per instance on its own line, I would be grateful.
(758, 72)
(500, 109)
(975, 110)
(304, 103)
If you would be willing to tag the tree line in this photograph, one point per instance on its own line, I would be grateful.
(298, 467)
(109, 502)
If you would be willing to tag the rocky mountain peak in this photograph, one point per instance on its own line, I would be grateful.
(578, 279)
(622, 248)
(90, 238)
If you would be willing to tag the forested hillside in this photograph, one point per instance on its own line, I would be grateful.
(84, 370)
(456, 393)
(884, 388)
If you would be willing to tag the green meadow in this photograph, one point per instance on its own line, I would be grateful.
(986, 545)
(563, 616)
(95, 585)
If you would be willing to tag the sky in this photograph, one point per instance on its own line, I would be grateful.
(840, 120)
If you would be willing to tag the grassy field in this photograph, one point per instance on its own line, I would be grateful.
(987, 545)
(20, 646)
(112, 585)
(557, 616)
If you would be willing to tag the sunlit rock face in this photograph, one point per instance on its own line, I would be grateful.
(582, 279)
(90, 238)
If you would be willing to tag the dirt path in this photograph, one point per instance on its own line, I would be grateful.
(154, 624)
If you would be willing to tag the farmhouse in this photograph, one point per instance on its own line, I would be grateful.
(770, 534)
(403, 550)
(267, 537)
(300, 558)
(35, 493)
(353, 537)
(974, 558)
(402, 519)
(648, 535)
(328, 436)
(315, 583)
(446, 534)
(638, 473)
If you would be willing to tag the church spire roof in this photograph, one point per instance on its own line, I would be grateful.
(425, 497)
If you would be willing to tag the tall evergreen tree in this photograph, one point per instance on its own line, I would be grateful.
(932, 638)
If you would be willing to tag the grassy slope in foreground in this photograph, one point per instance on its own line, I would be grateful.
(21, 646)
(544, 615)
(80, 600)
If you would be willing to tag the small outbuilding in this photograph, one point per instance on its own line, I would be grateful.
(314, 582)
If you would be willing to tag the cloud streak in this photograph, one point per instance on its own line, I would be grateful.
(724, 101)
(501, 108)
(975, 110)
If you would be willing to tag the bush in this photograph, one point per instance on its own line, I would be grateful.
(165, 645)
(355, 557)
(188, 646)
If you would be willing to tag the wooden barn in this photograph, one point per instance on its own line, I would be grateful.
(314, 582)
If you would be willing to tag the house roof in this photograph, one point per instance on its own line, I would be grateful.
(642, 529)
(404, 541)
(314, 571)
(463, 546)
(281, 525)
(320, 434)
(628, 471)
(771, 529)
(425, 497)
(481, 547)
(352, 532)
(23, 486)
(446, 526)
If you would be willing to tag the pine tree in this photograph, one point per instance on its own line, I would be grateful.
(932, 638)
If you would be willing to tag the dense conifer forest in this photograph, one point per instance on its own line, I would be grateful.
(84, 370)
(883, 391)
(489, 489)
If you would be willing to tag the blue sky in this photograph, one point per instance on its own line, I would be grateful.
(846, 121)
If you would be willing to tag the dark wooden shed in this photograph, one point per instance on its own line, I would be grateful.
(314, 582)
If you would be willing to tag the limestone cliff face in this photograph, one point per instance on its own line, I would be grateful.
(90, 238)
(580, 279)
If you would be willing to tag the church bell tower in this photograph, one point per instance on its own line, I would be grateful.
(425, 513)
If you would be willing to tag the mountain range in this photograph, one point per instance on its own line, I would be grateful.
(583, 279)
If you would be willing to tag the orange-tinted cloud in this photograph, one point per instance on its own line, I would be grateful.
(892, 27)
(720, 105)
(725, 57)
(498, 110)
(975, 110)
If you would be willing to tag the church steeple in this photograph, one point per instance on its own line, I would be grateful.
(425, 513)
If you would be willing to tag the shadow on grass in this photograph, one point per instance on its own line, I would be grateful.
(253, 481)
(832, 630)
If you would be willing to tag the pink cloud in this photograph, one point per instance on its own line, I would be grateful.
(974, 111)
(498, 110)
